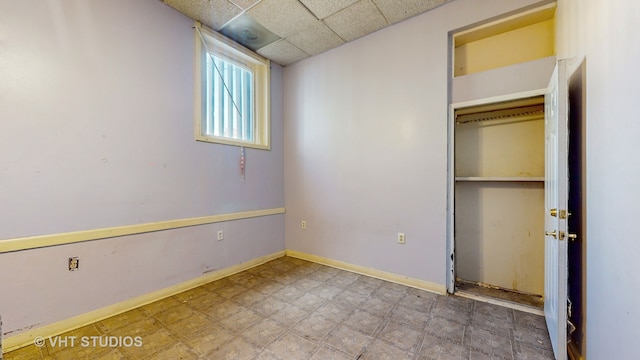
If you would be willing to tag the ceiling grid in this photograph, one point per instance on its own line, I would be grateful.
(287, 31)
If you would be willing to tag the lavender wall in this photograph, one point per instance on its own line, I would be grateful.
(366, 144)
(96, 130)
(601, 36)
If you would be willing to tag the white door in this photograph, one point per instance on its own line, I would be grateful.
(556, 191)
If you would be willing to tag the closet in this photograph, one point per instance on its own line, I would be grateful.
(499, 198)
(499, 72)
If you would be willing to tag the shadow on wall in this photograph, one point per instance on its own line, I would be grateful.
(577, 249)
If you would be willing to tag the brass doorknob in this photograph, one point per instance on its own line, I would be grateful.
(551, 233)
(572, 236)
(553, 212)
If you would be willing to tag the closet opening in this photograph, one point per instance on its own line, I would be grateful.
(498, 216)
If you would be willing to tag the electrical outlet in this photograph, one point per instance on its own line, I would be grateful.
(400, 238)
(303, 225)
(74, 263)
(220, 235)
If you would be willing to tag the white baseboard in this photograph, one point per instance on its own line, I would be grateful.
(398, 279)
(60, 327)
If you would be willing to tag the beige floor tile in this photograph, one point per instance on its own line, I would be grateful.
(144, 325)
(309, 301)
(421, 302)
(217, 285)
(292, 346)
(388, 294)
(210, 339)
(289, 315)
(377, 307)
(249, 297)
(187, 327)
(269, 288)
(113, 354)
(236, 349)
(413, 318)
(263, 333)
(175, 352)
(206, 302)
(314, 327)
(350, 298)
(174, 314)
(401, 336)
(223, 309)
(189, 295)
(306, 284)
(329, 353)
(158, 306)
(240, 321)
(446, 329)
(109, 324)
(348, 340)
(334, 312)
(268, 306)
(231, 290)
(151, 344)
(326, 291)
(265, 355)
(344, 279)
(380, 350)
(80, 351)
(288, 293)
(26, 353)
(247, 279)
(69, 341)
(364, 322)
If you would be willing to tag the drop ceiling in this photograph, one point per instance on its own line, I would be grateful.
(287, 31)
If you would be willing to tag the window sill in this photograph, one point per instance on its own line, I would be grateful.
(232, 142)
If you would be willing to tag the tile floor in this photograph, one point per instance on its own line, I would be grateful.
(294, 309)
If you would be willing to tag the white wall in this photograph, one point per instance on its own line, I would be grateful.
(604, 35)
(96, 130)
(366, 144)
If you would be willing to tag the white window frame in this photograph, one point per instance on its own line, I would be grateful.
(228, 50)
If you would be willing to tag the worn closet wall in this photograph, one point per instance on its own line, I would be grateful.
(96, 131)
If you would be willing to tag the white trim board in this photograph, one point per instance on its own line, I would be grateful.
(39, 241)
(378, 274)
(503, 303)
(26, 338)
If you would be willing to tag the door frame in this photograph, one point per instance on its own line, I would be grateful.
(451, 181)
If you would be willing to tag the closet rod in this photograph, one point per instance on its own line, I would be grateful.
(522, 113)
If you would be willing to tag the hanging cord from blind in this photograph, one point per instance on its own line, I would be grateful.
(224, 83)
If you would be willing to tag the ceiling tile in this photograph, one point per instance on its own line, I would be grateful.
(282, 17)
(357, 20)
(244, 4)
(248, 32)
(283, 52)
(324, 8)
(212, 13)
(396, 11)
(316, 39)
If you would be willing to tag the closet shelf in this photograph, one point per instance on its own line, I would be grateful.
(501, 178)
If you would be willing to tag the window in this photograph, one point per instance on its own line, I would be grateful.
(231, 92)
